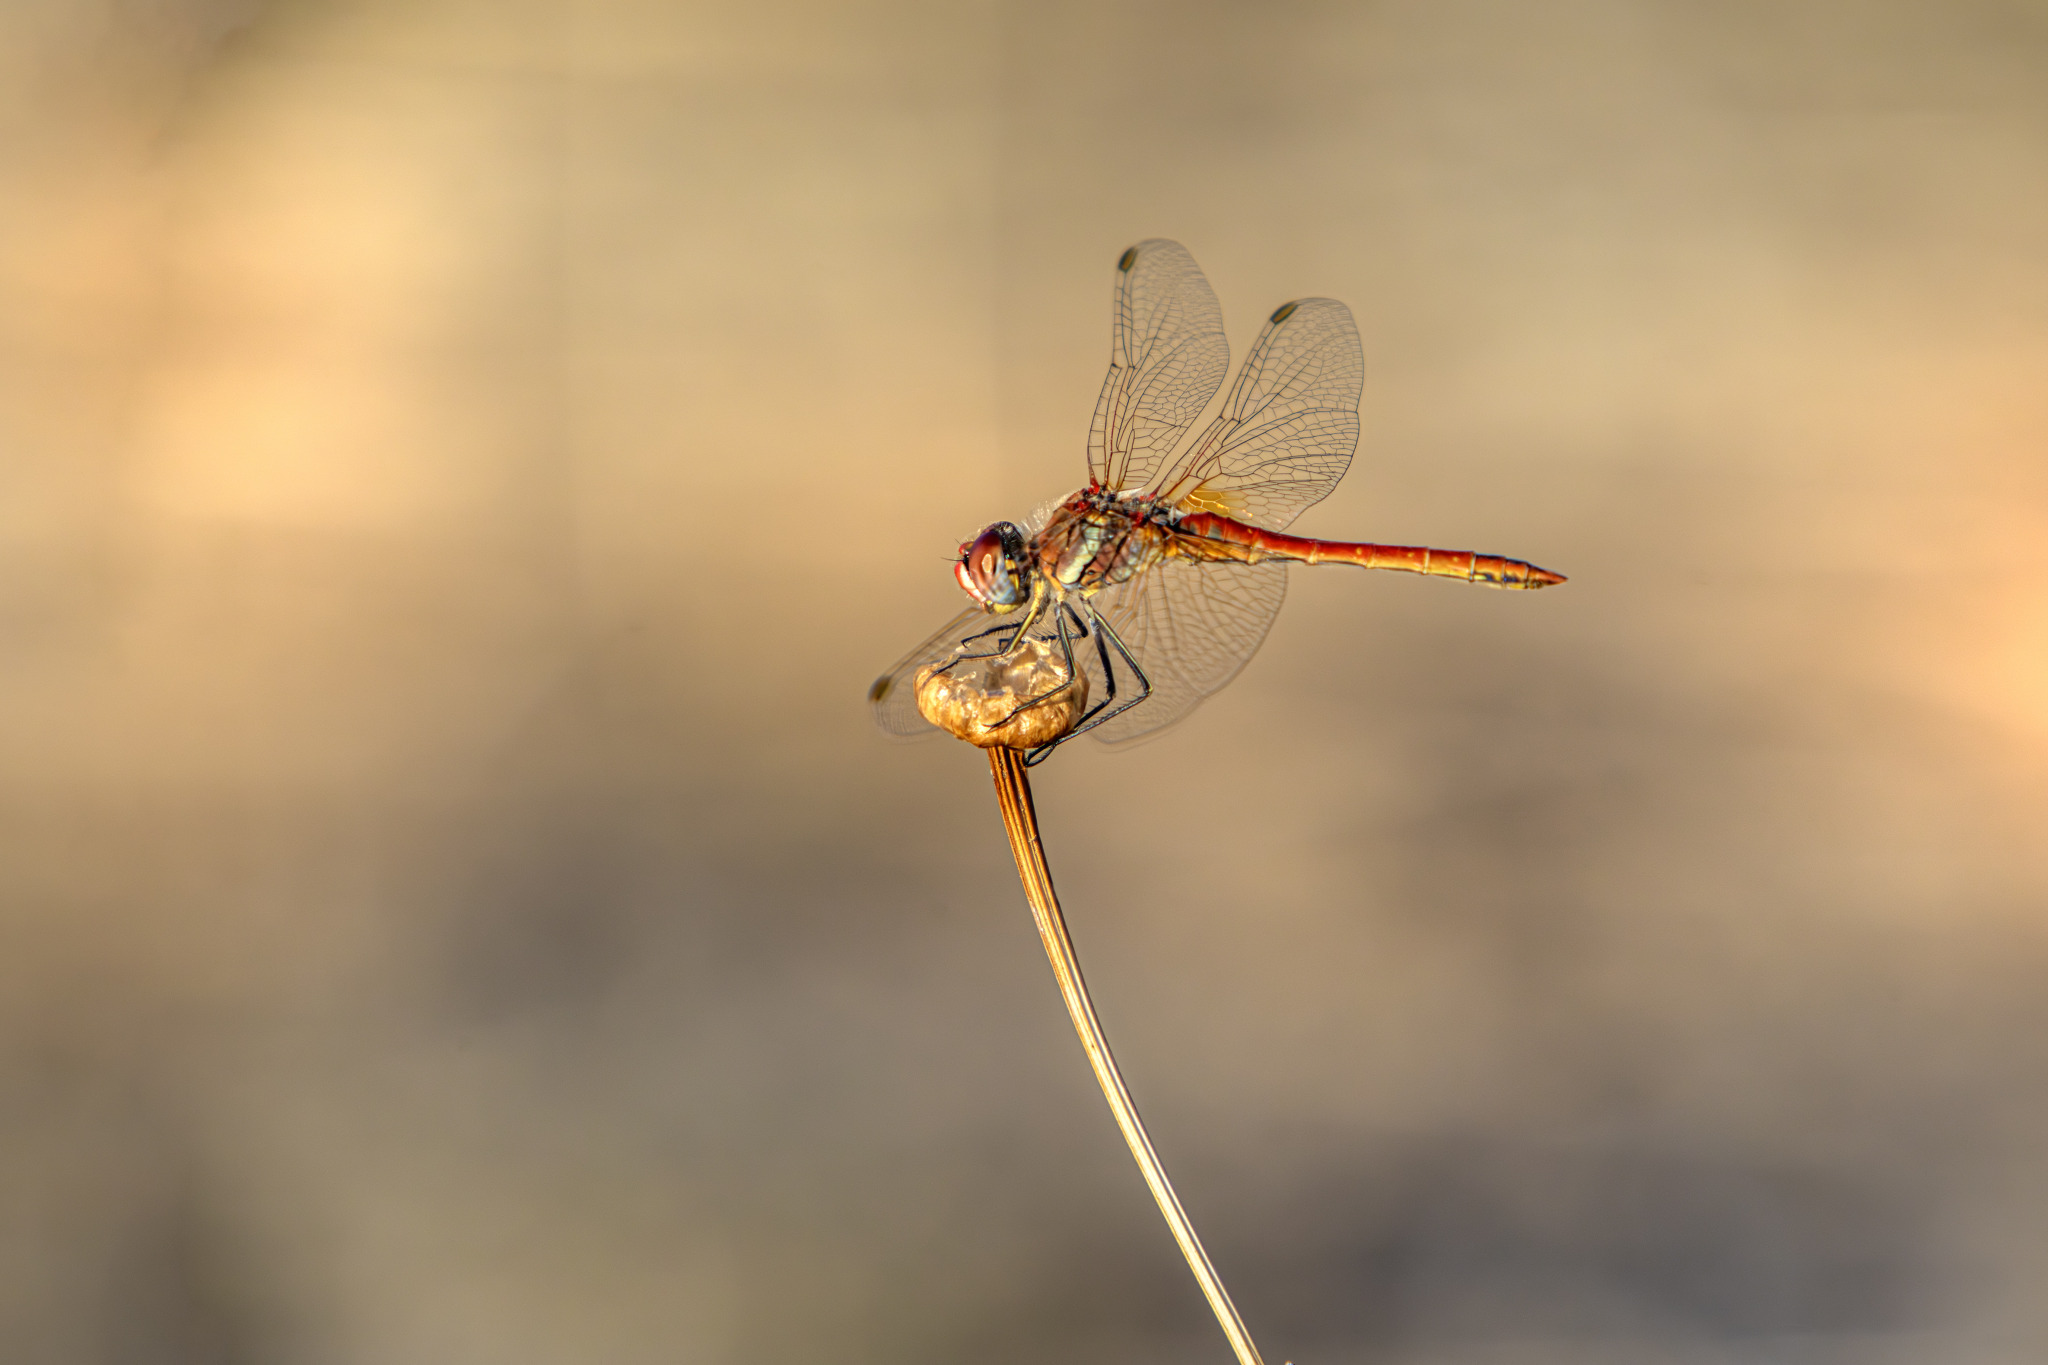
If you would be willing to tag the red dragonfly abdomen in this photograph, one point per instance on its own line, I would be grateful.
(1203, 535)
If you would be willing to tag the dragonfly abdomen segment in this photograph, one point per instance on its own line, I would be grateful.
(1203, 535)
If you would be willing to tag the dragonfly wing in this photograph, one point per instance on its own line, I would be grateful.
(1288, 425)
(893, 696)
(1191, 626)
(1167, 357)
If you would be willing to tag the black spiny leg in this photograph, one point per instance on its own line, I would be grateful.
(1002, 647)
(1007, 646)
(1067, 649)
(1103, 630)
(1044, 751)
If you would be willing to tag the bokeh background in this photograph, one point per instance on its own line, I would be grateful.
(463, 462)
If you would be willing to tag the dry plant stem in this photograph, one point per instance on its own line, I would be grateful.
(1020, 821)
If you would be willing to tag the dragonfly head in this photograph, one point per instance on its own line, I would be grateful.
(993, 569)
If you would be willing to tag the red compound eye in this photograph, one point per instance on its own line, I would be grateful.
(987, 570)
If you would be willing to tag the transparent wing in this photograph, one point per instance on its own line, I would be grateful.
(1191, 626)
(1167, 355)
(1288, 426)
(893, 696)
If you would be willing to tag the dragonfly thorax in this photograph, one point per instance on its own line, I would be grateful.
(1098, 538)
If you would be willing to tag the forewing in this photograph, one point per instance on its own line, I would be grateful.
(1192, 626)
(1288, 425)
(1167, 356)
(893, 696)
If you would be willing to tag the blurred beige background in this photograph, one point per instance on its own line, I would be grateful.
(464, 461)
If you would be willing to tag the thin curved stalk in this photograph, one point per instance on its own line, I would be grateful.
(1020, 821)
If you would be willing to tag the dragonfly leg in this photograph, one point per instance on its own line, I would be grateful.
(1105, 631)
(1000, 650)
(1082, 632)
(1044, 751)
(1107, 709)
(1080, 626)
(1005, 647)
(1066, 648)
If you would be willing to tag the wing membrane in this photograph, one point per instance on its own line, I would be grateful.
(1167, 357)
(1284, 437)
(893, 696)
(1288, 426)
(1191, 626)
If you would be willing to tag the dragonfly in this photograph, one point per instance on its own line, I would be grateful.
(1159, 579)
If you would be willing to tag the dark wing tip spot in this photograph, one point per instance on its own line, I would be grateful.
(880, 688)
(1284, 311)
(1128, 259)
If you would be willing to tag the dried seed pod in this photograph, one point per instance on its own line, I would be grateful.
(970, 699)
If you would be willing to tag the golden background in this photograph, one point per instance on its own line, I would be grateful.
(464, 461)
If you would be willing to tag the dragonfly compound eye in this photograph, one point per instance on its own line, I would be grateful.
(989, 567)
